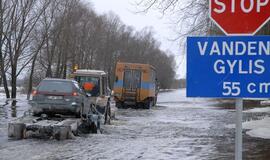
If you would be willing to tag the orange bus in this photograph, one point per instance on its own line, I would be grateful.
(135, 84)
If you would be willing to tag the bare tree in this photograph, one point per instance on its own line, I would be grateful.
(190, 17)
(40, 38)
(23, 16)
(3, 20)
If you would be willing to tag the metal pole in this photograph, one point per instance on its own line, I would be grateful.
(238, 128)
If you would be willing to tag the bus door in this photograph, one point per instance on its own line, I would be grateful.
(132, 81)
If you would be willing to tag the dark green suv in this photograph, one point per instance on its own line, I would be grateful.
(59, 96)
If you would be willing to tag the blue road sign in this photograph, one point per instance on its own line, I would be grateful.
(228, 67)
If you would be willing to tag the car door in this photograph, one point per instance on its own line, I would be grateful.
(103, 99)
(84, 99)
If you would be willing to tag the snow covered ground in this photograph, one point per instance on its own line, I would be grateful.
(178, 128)
(256, 128)
(9, 112)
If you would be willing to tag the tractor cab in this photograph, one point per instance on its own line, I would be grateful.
(95, 84)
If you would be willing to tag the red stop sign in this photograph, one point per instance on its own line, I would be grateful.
(240, 17)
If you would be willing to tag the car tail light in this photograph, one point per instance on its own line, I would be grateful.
(75, 94)
(34, 93)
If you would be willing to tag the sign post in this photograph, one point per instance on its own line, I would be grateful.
(232, 66)
(229, 67)
(238, 133)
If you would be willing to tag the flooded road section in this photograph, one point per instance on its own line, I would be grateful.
(178, 128)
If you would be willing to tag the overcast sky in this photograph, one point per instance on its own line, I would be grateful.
(126, 9)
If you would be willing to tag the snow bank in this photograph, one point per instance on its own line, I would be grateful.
(265, 103)
(260, 133)
(258, 110)
(258, 128)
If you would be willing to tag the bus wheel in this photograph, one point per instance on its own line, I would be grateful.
(148, 104)
(155, 101)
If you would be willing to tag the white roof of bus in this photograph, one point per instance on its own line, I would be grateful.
(90, 72)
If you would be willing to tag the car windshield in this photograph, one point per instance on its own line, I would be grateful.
(55, 86)
(95, 82)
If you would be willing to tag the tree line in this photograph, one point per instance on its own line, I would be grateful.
(41, 39)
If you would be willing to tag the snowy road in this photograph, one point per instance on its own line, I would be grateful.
(178, 128)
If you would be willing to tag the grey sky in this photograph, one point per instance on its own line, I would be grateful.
(125, 9)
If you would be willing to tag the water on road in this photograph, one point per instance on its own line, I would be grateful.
(178, 128)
